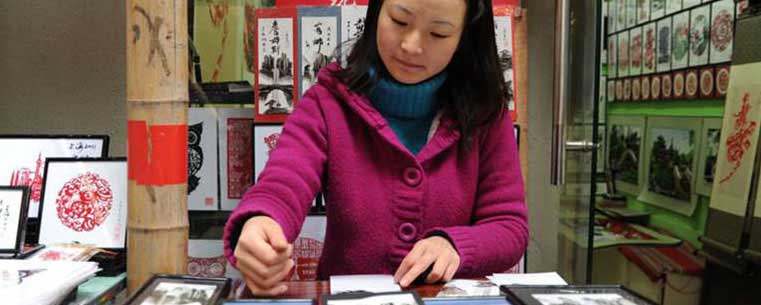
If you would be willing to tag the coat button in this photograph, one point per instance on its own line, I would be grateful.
(407, 232)
(412, 176)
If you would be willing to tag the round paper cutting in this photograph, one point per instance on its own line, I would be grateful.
(84, 202)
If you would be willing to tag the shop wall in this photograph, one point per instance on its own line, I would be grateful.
(63, 67)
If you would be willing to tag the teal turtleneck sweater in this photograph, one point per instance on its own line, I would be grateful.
(409, 109)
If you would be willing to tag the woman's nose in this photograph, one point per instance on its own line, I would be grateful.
(413, 43)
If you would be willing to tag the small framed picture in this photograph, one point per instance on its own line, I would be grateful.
(722, 31)
(722, 80)
(691, 84)
(582, 294)
(708, 155)
(663, 46)
(276, 73)
(14, 201)
(700, 35)
(707, 82)
(648, 48)
(680, 47)
(655, 87)
(611, 91)
(627, 90)
(619, 90)
(85, 201)
(386, 298)
(24, 165)
(636, 89)
(236, 155)
(318, 37)
(183, 290)
(645, 88)
(352, 27)
(667, 86)
(625, 150)
(202, 159)
(679, 85)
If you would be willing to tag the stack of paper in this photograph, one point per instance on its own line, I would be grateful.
(374, 283)
(537, 279)
(25, 282)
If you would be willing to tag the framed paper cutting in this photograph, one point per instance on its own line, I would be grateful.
(14, 203)
(625, 151)
(503, 28)
(202, 159)
(24, 164)
(236, 155)
(657, 9)
(667, 86)
(635, 66)
(85, 201)
(722, 30)
(722, 80)
(707, 82)
(319, 36)
(645, 88)
(612, 56)
(709, 151)
(680, 47)
(643, 11)
(275, 84)
(664, 45)
(627, 89)
(679, 85)
(671, 154)
(648, 48)
(673, 6)
(691, 84)
(655, 87)
(631, 13)
(700, 35)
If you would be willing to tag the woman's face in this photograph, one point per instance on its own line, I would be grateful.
(417, 38)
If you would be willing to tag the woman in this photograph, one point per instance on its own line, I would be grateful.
(414, 148)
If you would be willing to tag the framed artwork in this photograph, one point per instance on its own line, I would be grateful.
(627, 89)
(691, 84)
(236, 155)
(679, 85)
(14, 203)
(667, 86)
(203, 188)
(645, 88)
(611, 91)
(680, 41)
(319, 36)
(631, 13)
(664, 45)
(635, 67)
(655, 87)
(582, 295)
(218, 37)
(619, 90)
(173, 289)
(265, 141)
(722, 80)
(352, 26)
(275, 83)
(643, 11)
(673, 6)
(636, 89)
(739, 141)
(648, 48)
(611, 16)
(690, 3)
(700, 35)
(722, 30)
(24, 165)
(620, 14)
(623, 54)
(403, 297)
(707, 82)
(503, 28)
(612, 56)
(671, 154)
(657, 9)
(709, 152)
(625, 149)
(85, 201)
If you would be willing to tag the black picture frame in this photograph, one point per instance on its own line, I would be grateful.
(220, 293)
(359, 296)
(18, 243)
(525, 295)
(75, 160)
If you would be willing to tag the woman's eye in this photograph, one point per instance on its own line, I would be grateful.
(439, 36)
(401, 23)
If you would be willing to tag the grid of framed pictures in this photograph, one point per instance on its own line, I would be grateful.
(682, 43)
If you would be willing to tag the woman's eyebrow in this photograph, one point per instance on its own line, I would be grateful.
(409, 12)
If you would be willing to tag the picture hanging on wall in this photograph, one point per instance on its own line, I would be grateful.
(631, 13)
(680, 41)
(679, 85)
(739, 141)
(352, 27)
(722, 30)
(691, 84)
(700, 35)
(707, 82)
(648, 52)
(636, 89)
(24, 165)
(645, 88)
(503, 28)
(657, 9)
(664, 45)
(85, 201)
(709, 151)
(619, 90)
(627, 89)
(202, 159)
(671, 163)
(673, 6)
(611, 91)
(623, 54)
(620, 14)
(236, 157)
(655, 87)
(643, 11)
(635, 67)
(219, 39)
(625, 136)
(319, 36)
(612, 56)
(690, 3)
(667, 86)
(611, 26)
(722, 80)
(14, 203)
(276, 69)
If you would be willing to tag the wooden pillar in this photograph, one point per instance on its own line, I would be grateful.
(157, 101)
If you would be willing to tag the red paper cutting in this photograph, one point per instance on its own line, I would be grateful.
(738, 142)
(84, 202)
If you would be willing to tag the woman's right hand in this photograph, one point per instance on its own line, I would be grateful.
(264, 256)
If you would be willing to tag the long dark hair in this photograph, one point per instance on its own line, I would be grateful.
(474, 93)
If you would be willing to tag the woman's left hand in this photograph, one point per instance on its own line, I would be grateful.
(434, 250)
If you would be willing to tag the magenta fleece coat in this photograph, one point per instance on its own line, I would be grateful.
(381, 199)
